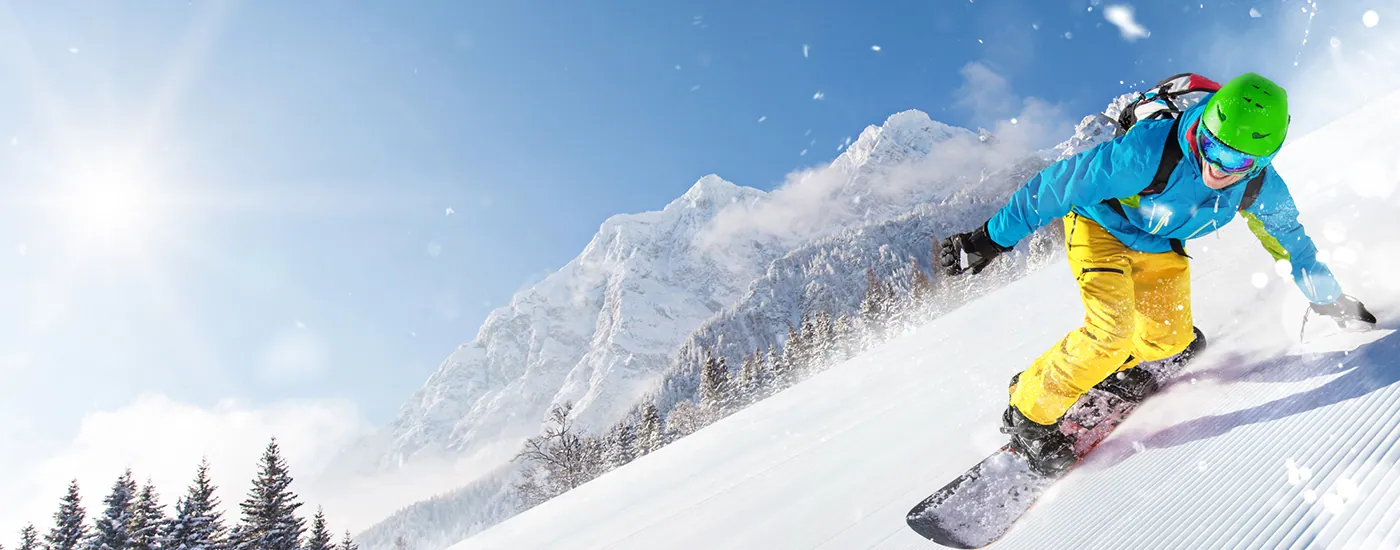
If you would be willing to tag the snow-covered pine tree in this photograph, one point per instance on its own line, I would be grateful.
(786, 373)
(920, 288)
(320, 537)
(348, 543)
(113, 528)
(269, 513)
(70, 527)
(714, 388)
(773, 366)
(650, 432)
(750, 376)
(198, 522)
(400, 543)
(148, 521)
(29, 538)
(843, 338)
(823, 341)
(810, 360)
(896, 306)
(622, 442)
(872, 311)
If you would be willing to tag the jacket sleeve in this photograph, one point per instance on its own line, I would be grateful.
(1118, 168)
(1274, 220)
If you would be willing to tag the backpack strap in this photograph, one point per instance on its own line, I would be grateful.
(1251, 190)
(1171, 156)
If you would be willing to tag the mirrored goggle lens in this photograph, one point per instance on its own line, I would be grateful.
(1222, 156)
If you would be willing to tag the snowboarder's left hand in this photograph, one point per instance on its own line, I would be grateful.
(1345, 308)
(970, 251)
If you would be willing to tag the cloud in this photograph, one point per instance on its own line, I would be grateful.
(815, 202)
(988, 98)
(1122, 17)
(164, 440)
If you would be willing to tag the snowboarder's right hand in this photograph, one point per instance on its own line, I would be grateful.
(968, 252)
(1345, 308)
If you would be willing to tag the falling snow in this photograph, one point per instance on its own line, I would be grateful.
(1122, 17)
(1255, 13)
(1370, 18)
(695, 87)
(1013, 121)
(450, 211)
(72, 50)
(762, 118)
(1260, 280)
(875, 47)
(1069, 35)
(818, 95)
(804, 50)
(803, 153)
(23, 249)
(434, 249)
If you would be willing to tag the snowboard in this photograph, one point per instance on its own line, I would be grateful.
(978, 507)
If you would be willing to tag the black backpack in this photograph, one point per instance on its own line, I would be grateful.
(1168, 99)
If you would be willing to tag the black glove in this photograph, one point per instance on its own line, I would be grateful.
(979, 248)
(1344, 309)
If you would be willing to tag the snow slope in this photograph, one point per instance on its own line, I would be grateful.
(1263, 442)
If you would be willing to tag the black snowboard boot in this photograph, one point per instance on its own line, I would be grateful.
(1049, 452)
(1133, 385)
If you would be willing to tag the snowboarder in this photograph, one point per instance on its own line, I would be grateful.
(1125, 247)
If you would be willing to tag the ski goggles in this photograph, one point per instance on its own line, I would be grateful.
(1223, 157)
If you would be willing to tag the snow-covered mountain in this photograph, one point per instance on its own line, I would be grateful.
(600, 331)
(1264, 442)
(611, 325)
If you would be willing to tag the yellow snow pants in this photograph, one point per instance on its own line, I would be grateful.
(1137, 307)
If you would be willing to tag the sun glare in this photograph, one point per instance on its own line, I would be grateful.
(111, 207)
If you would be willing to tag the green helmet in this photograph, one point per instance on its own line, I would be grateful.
(1250, 114)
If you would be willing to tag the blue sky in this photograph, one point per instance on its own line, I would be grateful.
(295, 163)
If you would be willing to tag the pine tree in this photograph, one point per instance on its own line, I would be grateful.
(786, 371)
(348, 543)
(29, 538)
(400, 543)
(750, 377)
(198, 523)
(649, 432)
(622, 443)
(714, 388)
(843, 332)
(113, 528)
(269, 513)
(823, 341)
(875, 309)
(773, 366)
(148, 521)
(320, 538)
(70, 527)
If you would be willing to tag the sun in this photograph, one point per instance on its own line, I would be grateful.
(111, 205)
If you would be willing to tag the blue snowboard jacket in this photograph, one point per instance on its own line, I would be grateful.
(1185, 209)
